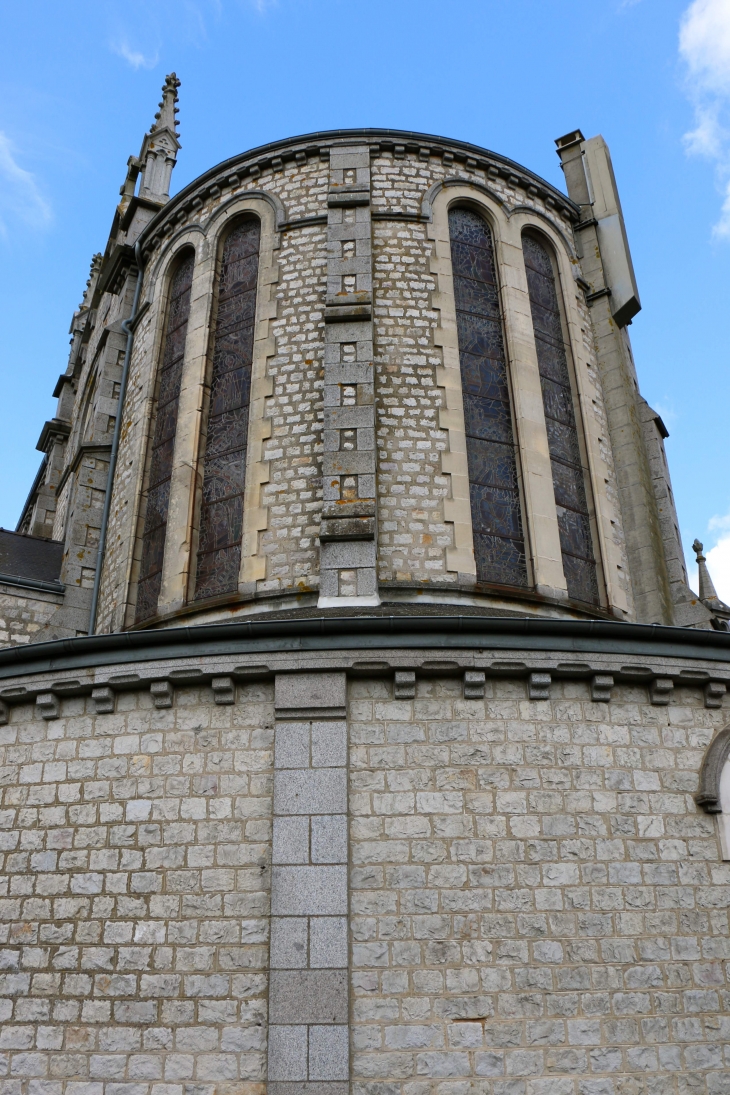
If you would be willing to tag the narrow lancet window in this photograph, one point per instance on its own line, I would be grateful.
(499, 546)
(224, 462)
(163, 441)
(576, 542)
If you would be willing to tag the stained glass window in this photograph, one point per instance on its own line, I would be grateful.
(163, 441)
(576, 542)
(499, 545)
(224, 462)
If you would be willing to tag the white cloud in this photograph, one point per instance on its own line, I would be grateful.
(20, 195)
(134, 57)
(704, 42)
(704, 45)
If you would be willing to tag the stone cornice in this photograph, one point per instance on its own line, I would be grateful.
(231, 172)
(477, 637)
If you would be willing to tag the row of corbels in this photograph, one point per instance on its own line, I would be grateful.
(48, 704)
(538, 687)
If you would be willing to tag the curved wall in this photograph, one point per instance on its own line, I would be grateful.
(340, 256)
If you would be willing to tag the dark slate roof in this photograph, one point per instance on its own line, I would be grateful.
(30, 558)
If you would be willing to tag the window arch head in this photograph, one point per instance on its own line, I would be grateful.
(167, 394)
(499, 546)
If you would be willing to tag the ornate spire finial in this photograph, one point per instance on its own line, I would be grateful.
(165, 116)
(160, 146)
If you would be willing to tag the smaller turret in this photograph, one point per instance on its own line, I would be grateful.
(159, 148)
(708, 594)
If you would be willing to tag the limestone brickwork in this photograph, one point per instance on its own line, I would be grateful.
(537, 905)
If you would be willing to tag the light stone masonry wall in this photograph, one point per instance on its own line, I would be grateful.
(413, 535)
(293, 494)
(538, 906)
(134, 904)
(24, 613)
(413, 487)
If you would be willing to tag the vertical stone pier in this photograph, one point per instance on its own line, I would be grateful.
(348, 533)
(309, 1048)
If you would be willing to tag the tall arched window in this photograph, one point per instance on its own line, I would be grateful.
(576, 542)
(224, 462)
(499, 545)
(163, 440)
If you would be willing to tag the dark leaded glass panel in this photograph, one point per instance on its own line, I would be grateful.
(499, 546)
(579, 565)
(224, 463)
(163, 441)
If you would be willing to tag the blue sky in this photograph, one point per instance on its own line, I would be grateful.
(79, 84)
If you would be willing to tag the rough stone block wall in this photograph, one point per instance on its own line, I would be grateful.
(413, 535)
(294, 491)
(24, 613)
(538, 906)
(135, 895)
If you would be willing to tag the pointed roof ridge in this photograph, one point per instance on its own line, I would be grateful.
(165, 118)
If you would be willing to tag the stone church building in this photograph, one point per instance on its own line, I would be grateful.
(359, 731)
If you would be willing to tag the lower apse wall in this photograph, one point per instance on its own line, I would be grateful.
(536, 905)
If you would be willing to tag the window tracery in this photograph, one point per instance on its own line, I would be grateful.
(224, 460)
(163, 440)
(499, 546)
(576, 541)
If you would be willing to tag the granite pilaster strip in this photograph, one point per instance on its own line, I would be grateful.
(348, 532)
(309, 1039)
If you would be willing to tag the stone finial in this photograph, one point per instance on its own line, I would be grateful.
(708, 593)
(165, 116)
(160, 147)
(707, 587)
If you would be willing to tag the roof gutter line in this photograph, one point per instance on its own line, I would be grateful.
(127, 328)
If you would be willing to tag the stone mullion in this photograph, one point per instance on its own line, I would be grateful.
(348, 533)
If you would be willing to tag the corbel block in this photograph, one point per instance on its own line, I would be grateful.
(162, 693)
(103, 700)
(224, 690)
(601, 685)
(48, 705)
(405, 684)
(538, 686)
(714, 691)
(660, 691)
(4, 714)
(474, 682)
